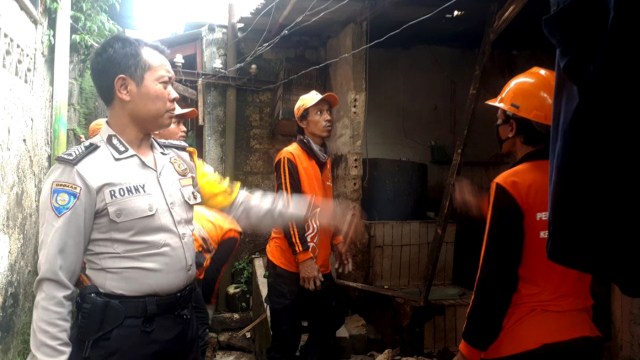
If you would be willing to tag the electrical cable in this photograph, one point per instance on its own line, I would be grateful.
(359, 49)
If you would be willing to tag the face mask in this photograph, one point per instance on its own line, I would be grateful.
(501, 141)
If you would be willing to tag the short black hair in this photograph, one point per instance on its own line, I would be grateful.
(120, 55)
(303, 116)
(532, 132)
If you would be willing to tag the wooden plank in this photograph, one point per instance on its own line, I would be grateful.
(405, 235)
(415, 232)
(423, 249)
(405, 265)
(396, 260)
(450, 326)
(412, 300)
(449, 244)
(429, 336)
(200, 103)
(415, 269)
(448, 263)
(185, 91)
(440, 271)
(405, 269)
(387, 255)
(376, 267)
(439, 340)
(461, 318)
(388, 233)
(431, 232)
(376, 253)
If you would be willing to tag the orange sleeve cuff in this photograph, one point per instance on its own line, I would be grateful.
(469, 352)
(337, 239)
(303, 256)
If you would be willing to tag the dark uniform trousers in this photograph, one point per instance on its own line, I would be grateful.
(163, 327)
(290, 304)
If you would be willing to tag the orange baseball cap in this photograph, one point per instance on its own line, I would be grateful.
(96, 126)
(186, 113)
(311, 98)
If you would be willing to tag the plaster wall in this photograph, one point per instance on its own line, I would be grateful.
(25, 109)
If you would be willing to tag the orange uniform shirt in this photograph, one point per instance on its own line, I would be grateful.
(297, 170)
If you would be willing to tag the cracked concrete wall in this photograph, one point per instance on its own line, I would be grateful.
(25, 111)
(347, 80)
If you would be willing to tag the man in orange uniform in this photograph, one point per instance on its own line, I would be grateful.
(525, 306)
(300, 283)
(216, 234)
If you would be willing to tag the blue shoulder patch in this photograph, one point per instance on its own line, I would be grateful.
(63, 197)
(74, 155)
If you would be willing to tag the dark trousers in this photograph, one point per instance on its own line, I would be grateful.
(583, 348)
(290, 304)
(202, 319)
(168, 336)
(218, 265)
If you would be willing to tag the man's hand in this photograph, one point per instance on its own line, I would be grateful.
(467, 198)
(344, 263)
(310, 275)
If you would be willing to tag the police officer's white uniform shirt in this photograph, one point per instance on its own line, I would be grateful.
(131, 224)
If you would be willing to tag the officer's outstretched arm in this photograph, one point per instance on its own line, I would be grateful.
(260, 210)
(254, 210)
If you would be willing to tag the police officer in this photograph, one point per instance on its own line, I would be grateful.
(120, 206)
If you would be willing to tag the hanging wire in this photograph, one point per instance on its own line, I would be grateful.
(261, 49)
(321, 14)
(273, 5)
(261, 38)
(290, 30)
(359, 49)
(339, 57)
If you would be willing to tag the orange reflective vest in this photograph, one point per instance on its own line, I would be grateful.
(521, 299)
(211, 226)
(298, 171)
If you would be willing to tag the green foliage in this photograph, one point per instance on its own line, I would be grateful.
(88, 98)
(90, 24)
(243, 272)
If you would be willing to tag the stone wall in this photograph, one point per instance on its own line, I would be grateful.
(25, 120)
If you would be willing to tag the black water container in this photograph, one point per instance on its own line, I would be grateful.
(394, 190)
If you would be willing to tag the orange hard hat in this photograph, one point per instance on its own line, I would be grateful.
(529, 95)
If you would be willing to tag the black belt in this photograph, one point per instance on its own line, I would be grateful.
(143, 306)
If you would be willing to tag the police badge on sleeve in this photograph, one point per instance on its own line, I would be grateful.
(63, 197)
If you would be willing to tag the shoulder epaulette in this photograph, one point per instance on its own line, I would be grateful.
(176, 144)
(74, 155)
